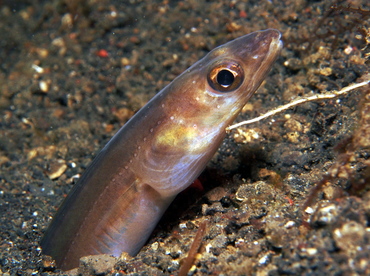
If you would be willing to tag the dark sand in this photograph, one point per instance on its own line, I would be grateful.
(73, 72)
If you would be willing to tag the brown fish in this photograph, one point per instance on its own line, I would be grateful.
(158, 153)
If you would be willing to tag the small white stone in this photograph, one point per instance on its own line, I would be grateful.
(289, 224)
(311, 251)
(182, 225)
(309, 210)
(44, 86)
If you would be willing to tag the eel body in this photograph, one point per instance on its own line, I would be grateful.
(159, 152)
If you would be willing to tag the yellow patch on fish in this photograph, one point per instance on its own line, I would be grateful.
(176, 136)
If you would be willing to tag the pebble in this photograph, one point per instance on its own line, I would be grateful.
(96, 264)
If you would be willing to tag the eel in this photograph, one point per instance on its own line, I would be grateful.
(159, 152)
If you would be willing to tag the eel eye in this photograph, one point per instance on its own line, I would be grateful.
(225, 77)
